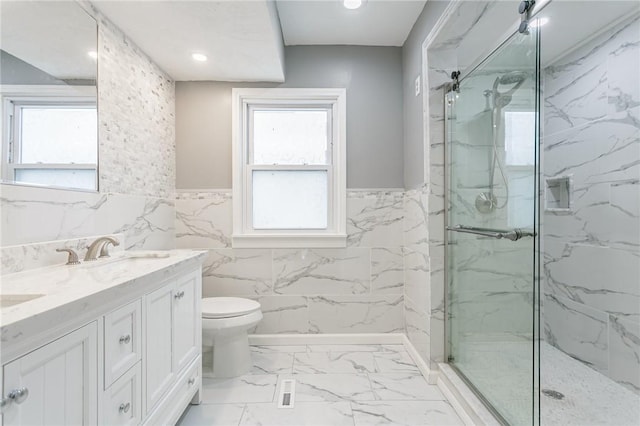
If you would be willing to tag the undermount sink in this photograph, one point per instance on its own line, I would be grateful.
(147, 255)
(7, 300)
(127, 257)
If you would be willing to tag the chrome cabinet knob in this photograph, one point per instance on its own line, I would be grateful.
(17, 395)
(124, 408)
(191, 381)
(125, 339)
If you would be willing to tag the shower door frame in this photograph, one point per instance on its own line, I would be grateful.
(537, 251)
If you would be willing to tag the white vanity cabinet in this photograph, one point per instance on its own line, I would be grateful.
(58, 381)
(172, 334)
(136, 362)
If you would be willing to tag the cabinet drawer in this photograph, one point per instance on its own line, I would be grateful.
(177, 399)
(190, 380)
(121, 403)
(122, 343)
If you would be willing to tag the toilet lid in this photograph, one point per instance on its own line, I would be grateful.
(227, 307)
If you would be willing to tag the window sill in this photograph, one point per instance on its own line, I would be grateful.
(290, 241)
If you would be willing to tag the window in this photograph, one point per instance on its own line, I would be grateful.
(520, 154)
(289, 168)
(520, 137)
(50, 141)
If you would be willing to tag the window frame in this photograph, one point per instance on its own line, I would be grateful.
(244, 102)
(14, 99)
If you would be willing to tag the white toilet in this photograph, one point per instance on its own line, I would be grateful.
(225, 322)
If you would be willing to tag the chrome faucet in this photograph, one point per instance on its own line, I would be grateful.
(100, 246)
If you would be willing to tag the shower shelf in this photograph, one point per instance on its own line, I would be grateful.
(558, 194)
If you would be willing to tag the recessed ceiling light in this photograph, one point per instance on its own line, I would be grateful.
(199, 57)
(538, 22)
(93, 54)
(352, 4)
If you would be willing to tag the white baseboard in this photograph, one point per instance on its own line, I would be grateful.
(430, 375)
(327, 339)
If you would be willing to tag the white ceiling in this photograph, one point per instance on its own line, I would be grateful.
(377, 23)
(242, 39)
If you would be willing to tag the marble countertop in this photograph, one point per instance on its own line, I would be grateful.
(76, 291)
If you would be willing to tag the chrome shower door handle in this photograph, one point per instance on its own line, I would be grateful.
(512, 235)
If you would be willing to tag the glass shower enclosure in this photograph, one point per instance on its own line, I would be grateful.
(543, 212)
(493, 229)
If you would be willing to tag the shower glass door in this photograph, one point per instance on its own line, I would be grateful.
(492, 219)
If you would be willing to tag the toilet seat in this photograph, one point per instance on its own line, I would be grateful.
(227, 307)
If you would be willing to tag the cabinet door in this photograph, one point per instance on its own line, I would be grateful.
(61, 379)
(187, 333)
(159, 341)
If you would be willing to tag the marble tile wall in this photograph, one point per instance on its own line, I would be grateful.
(591, 134)
(44, 219)
(424, 295)
(425, 206)
(38, 255)
(358, 289)
(137, 167)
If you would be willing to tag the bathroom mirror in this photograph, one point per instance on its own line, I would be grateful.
(48, 68)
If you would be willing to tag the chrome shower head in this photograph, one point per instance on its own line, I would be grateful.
(513, 77)
(502, 99)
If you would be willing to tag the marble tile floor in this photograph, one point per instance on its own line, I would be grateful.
(335, 385)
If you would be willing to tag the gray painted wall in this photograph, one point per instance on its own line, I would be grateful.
(413, 108)
(373, 78)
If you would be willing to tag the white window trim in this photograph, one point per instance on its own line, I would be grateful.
(335, 235)
(10, 94)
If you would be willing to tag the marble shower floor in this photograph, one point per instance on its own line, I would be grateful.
(590, 398)
(335, 385)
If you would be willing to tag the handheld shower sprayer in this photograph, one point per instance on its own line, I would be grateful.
(487, 202)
